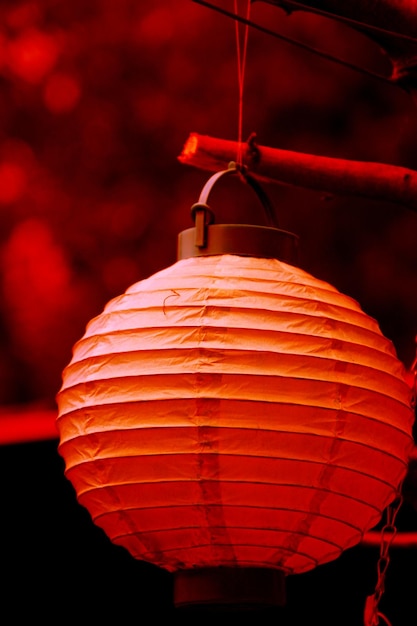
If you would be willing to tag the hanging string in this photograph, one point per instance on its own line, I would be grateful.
(241, 50)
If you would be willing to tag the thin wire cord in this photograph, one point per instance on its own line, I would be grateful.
(295, 42)
(386, 620)
(388, 532)
(241, 51)
(350, 21)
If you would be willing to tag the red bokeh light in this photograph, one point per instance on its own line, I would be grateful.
(62, 93)
(33, 54)
(13, 182)
(155, 29)
(24, 15)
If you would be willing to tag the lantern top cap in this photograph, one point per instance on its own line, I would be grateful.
(208, 239)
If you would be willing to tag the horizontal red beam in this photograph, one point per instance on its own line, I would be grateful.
(401, 539)
(26, 424)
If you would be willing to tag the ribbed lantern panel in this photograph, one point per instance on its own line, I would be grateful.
(233, 411)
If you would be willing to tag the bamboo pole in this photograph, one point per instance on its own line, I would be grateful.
(377, 181)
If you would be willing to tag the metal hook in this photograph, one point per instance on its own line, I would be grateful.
(242, 171)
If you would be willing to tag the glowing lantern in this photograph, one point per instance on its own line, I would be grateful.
(232, 414)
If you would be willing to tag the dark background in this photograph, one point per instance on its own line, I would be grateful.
(58, 567)
(96, 101)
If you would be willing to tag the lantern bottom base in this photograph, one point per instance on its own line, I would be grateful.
(229, 588)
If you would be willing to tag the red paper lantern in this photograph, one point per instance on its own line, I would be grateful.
(234, 412)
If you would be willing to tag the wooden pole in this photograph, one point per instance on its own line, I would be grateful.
(377, 181)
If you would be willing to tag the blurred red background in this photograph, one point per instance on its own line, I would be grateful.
(96, 101)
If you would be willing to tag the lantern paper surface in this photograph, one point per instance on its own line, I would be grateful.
(234, 411)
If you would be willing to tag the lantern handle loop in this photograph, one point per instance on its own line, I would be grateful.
(243, 173)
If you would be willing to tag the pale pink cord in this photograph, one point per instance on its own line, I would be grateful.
(241, 66)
